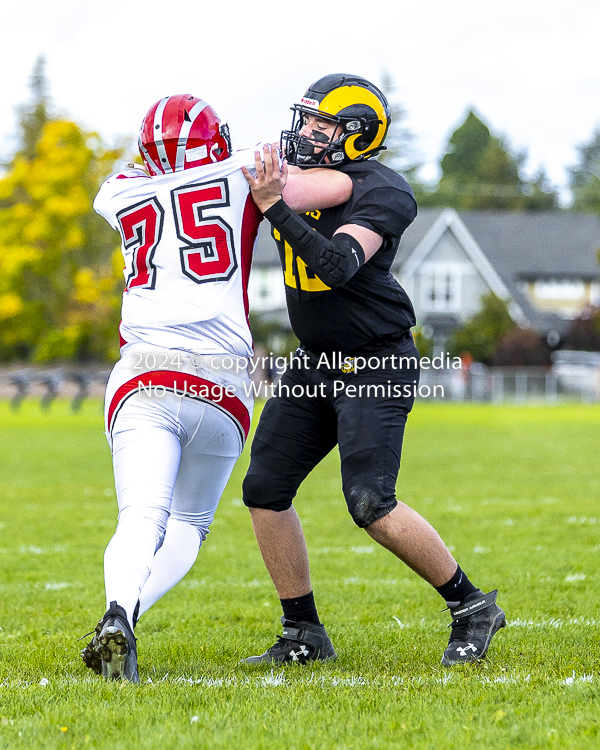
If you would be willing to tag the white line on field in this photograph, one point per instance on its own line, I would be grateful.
(281, 679)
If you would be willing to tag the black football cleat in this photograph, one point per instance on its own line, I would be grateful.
(475, 621)
(300, 642)
(112, 652)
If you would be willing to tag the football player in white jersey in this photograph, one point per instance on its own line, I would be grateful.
(178, 402)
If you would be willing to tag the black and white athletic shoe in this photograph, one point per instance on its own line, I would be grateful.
(475, 621)
(299, 643)
(112, 652)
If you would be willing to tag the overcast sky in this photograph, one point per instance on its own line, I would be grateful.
(529, 67)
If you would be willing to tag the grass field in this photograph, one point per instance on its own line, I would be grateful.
(513, 490)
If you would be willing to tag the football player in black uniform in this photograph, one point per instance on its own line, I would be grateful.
(353, 380)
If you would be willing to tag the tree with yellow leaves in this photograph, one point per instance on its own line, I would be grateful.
(60, 281)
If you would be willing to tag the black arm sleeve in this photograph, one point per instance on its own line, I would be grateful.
(335, 261)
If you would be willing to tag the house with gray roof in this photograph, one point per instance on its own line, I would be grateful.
(544, 265)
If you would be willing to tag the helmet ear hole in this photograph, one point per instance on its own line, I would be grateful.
(368, 131)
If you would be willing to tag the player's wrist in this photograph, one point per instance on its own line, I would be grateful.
(274, 206)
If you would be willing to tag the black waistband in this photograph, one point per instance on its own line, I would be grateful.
(341, 362)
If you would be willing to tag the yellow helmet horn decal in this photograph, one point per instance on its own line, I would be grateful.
(346, 96)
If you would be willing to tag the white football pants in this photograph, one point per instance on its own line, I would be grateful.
(172, 458)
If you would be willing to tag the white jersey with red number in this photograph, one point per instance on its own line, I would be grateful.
(187, 240)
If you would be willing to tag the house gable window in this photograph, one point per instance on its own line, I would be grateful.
(441, 285)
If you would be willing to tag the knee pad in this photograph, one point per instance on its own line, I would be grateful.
(258, 492)
(366, 503)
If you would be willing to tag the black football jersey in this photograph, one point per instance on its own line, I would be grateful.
(371, 309)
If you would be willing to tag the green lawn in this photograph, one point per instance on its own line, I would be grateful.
(513, 490)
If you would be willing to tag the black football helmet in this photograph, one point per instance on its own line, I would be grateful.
(356, 105)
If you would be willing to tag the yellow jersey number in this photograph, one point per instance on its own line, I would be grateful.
(296, 272)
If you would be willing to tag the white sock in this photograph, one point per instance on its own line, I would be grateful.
(171, 562)
(127, 562)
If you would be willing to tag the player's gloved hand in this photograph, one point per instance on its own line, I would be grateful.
(271, 177)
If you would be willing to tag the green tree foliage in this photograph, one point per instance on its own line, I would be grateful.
(585, 176)
(60, 279)
(471, 151)
(480, 172)
(541, 195)
(481, 334)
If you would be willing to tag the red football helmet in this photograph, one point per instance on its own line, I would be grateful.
(181, 132)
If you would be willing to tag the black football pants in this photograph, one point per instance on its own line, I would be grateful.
(363, 412)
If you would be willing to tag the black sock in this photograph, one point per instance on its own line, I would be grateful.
(301, 608)
(457, 589)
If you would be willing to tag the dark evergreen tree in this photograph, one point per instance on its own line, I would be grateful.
(585, 176)
(34, 115)
(541, 195)
(479, 171)
(465, 152)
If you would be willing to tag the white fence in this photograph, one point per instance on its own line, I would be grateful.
(499, 385)
(74, 383)
(570, 378)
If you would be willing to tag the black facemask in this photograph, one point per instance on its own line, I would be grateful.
(306, 147)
